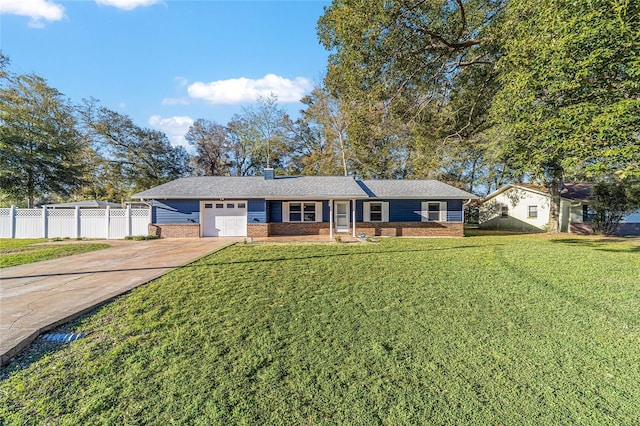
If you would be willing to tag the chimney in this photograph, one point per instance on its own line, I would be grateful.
(269, 173)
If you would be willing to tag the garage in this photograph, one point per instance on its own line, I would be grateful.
(224, 218)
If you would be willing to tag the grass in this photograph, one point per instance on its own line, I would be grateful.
(15, 252)
(504, 330)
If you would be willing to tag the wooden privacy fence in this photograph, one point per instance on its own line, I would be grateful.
(73, 223)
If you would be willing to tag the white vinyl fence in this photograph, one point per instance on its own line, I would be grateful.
(73, 223)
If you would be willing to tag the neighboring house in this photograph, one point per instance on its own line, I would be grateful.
(87, 204)
(210, 206)
(525, 207)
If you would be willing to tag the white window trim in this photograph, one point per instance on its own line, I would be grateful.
(366, 212)
(424, 214)
(285, 211)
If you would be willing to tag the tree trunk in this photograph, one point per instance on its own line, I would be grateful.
(554, 206)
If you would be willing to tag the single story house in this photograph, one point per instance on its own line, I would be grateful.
(525, 207)
(256, 206)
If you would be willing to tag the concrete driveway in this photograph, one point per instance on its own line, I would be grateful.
(40, 296)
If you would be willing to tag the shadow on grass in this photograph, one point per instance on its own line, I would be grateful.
(604, 244)
(196, 263)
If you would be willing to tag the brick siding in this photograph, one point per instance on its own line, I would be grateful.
(190, 230)
(295, 228)
(258, 230)
(411, 229)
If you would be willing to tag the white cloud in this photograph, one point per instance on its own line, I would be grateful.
(174, 127)
(175, 101)
(127, 4)
(239, 90)
(38, 10)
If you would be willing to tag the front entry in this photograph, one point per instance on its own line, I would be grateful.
(342, 216)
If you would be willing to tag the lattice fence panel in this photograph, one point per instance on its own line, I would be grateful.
(5, 223)
(61, 223)
(29, 223)
(140, 220)
(118, 223)
(93, 223)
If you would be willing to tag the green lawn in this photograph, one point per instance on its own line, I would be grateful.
(506, 330)
(15, 252)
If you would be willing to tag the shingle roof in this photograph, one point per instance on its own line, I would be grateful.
(319, 187)
(307, 187)
(570, 191)
(577, 191)
(414, 189)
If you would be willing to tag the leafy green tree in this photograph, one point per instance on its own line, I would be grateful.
(322, 145)
(40, 147)
(570, 90)
(133, 158)
(416, 80)
(261, 137)
(614, 199)
(211, 142)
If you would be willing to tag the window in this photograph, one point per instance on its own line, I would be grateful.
(301, 211)
(208, 206)
(242, 205)
(588, 213)
(231, 206)
(533, 211)
(434, 211)
(504, 213)
(219, 206)
(295, 212)
(309, 212)
(376, 211)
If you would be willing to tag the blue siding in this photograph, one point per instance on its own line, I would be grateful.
(409, 210)
(275, 211)
(257, 211)
(454, 211)
(175, 211)
(405, 210)
(261, 211)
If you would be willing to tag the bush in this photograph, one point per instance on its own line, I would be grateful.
(141, 237)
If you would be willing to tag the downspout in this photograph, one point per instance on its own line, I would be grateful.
(330, 220)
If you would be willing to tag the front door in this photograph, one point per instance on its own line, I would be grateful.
(342, 216)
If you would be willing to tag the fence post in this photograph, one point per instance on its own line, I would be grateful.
(76, 217)
(13, 214)
(45, 227)
(107, 213)
(128, 219)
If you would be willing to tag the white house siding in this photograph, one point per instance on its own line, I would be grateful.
(518, 201)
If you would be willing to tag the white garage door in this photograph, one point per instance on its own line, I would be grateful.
(224, 219)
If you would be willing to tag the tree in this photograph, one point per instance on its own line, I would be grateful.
(261, 137)
(321, 136)
(570, 95)
(612, 201)
(211, 141)
(134, 158)
(415, 80)
(40, 148)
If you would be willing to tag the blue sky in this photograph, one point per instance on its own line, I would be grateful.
(167, 63)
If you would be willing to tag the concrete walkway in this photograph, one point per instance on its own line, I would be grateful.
(40, 296)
